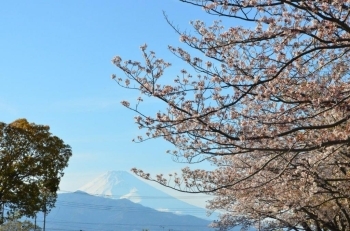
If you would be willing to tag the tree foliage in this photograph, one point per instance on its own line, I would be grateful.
(31, 166)
(269, 107)
(19, 226)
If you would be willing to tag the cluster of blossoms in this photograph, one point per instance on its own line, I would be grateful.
(269, 107)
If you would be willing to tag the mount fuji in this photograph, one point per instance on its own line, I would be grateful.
(112, 207)
(123, 185)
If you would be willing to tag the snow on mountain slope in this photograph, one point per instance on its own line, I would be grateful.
(121, 184)
(115, 185)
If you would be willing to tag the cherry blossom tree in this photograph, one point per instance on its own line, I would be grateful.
(267, 104)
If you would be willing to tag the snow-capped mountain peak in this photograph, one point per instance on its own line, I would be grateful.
(113, 184)
(123, 185)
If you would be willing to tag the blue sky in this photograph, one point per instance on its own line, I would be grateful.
(55, 70)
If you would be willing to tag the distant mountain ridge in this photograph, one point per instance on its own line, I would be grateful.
(81, 211)
(123, 185)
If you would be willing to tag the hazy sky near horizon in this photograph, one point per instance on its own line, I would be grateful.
(56, 68)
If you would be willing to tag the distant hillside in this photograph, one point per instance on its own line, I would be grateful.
(81, 211)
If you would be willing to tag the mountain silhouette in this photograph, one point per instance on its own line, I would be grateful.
(81, 211)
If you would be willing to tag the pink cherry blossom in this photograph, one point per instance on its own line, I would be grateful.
(268, 107)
